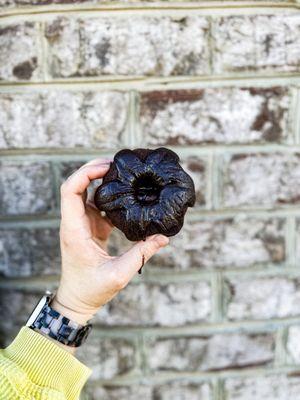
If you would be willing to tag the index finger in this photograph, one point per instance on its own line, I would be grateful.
(72, 204)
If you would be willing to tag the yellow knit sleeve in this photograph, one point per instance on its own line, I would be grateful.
(33, 367)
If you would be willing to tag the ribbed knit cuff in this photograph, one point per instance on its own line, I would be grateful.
(46, 364)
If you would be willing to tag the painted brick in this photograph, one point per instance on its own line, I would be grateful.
(188, 117)
(173, 390)
(26, 188)
(159, 304)
(211, 353)
(297, 241)
(19, 52)
(16, 3)
(108, 357)
(197, 168)
(233, 242)
(15, 308)
(62, 119)
(256, 43)
(29, 252)
(134, 392)
(293, 346)
(182, 390)
(128, 46)
(262, 180)
(263, 298)
(274, 387)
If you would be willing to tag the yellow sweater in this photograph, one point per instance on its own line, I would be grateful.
(35, 368)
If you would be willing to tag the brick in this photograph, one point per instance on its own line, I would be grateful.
(15, 308)
(274, 387)
(29, 252)
(297, 241)
(16, 3)
(19, 52)
(256, 43)
(134, 392)
(293, 346)
(188, 117)
(128, 46)
(62, 119)
(159, 304)
(228, 243)
(173, 390)
(261, 180)
(263, 298)
(26, 188)
(182, 390)
(197, 169)
(153, 304)
(211, 353)
(108, 357)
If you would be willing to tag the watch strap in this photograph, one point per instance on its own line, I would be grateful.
(60, 328)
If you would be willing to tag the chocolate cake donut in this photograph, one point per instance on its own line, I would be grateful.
(146, 192)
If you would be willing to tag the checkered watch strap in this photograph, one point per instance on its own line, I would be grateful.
(60, 328)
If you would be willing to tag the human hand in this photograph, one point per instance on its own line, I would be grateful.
(90, 276)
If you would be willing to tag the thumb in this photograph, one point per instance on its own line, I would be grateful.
(131, 261)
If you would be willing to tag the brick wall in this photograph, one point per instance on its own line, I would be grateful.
(215, 316)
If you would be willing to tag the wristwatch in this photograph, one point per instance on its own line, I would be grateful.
(50, 322)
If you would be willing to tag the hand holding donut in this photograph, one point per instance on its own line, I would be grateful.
(90, 276)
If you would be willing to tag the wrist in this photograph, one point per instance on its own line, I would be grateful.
(69, 308)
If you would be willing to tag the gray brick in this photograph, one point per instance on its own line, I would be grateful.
(18, 3)
(29, 252)
(19, 52)
(128, 46)
(153, 304)
(182, 390)
(108, 357)
(211, 353)
(257, 43)
(261, 180)
(228, 243)
(188, 117)
(198, 170)
(274, 387)
(62, 119)
(297, 242)
(26, 188)
(293, 346)
(263, 298)
(15, 308)
(134, 392)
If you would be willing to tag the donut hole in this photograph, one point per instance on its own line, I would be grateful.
(147, 190)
